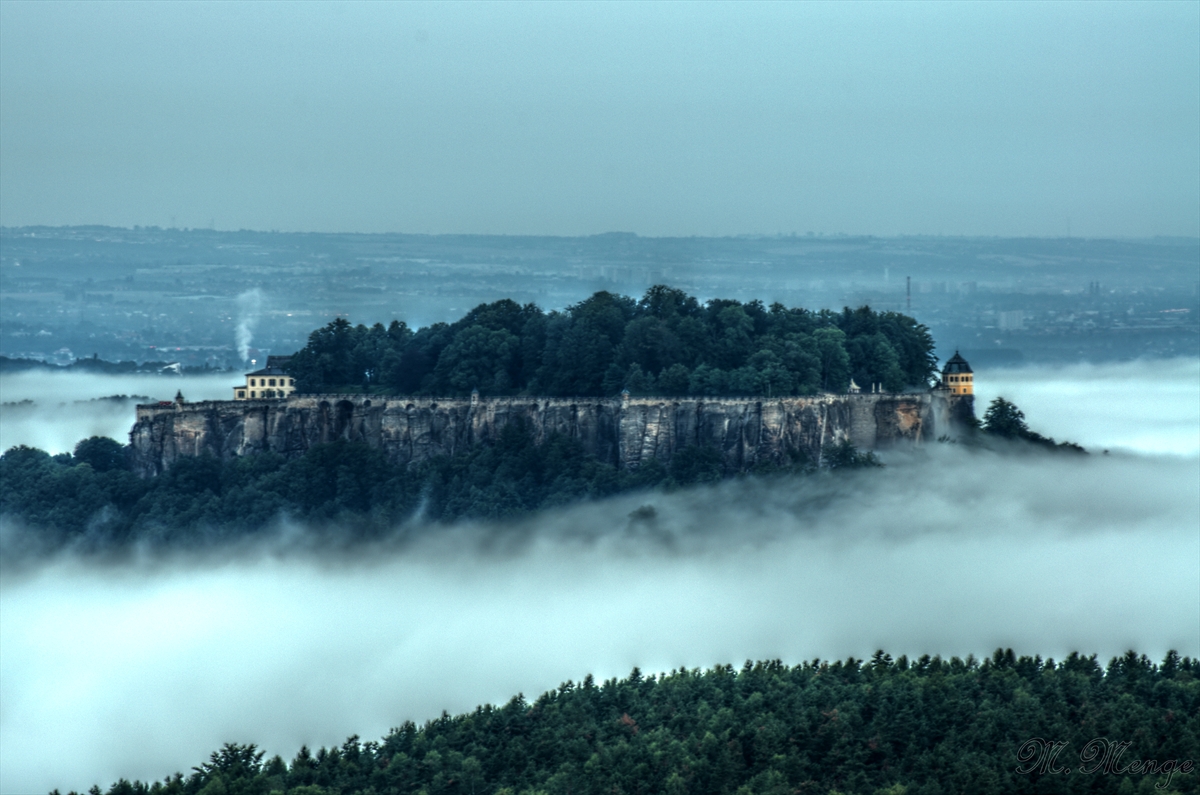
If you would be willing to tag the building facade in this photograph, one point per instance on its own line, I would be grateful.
(270, 383)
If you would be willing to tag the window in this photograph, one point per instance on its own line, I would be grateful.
(241, 393)
(252, 382)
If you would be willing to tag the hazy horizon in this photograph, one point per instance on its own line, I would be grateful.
(572, 119)
(604, 233)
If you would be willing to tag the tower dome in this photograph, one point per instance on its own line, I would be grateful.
(957, 376)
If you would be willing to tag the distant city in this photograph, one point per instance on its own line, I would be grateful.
(203, 298)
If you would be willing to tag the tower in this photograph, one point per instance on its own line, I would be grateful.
(957, 376)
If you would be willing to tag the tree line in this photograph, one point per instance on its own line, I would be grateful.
(884, 726)
(668, 342)
(91, 498)
(1003, 420)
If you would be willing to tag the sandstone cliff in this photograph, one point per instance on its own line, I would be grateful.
(622, 432)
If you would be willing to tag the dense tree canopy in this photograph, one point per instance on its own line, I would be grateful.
(881, 727)
(102, 454)
(1004, 419)
(91, 498)
(666, 343)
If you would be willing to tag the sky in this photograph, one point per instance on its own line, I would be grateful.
(143, 668)
(569, 119)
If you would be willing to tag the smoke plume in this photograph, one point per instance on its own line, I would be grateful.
(249, 306)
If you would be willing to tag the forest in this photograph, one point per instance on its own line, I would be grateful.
(884, 726)
(666, 343)
(90, 500)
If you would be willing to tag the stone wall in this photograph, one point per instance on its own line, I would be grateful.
(622, 432)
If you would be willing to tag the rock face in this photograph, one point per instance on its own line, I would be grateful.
(625, 432)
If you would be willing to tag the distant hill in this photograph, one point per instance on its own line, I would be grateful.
(96, 365)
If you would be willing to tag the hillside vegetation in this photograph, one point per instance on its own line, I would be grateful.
(667, 342)
(90, 500)
(883, 727)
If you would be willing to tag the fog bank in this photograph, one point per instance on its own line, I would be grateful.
(143, 668)
(1146, 405)
(64, 411)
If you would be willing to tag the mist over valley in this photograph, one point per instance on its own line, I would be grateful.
(544, 399)
(303, 634)
(944, 551)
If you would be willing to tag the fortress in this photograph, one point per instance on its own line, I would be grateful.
(625, 431)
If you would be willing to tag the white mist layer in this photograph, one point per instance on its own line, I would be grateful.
(143, 669)
(1150, 406)
(57, 420)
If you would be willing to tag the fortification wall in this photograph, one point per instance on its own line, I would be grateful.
(626, 432)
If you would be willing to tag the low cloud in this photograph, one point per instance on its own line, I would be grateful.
(1145, 405)
(65, 406)
(142, 668)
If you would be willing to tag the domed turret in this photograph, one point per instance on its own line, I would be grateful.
(957, 376)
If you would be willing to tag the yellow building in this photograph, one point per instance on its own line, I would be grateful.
(271, 382)
(957, 376)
